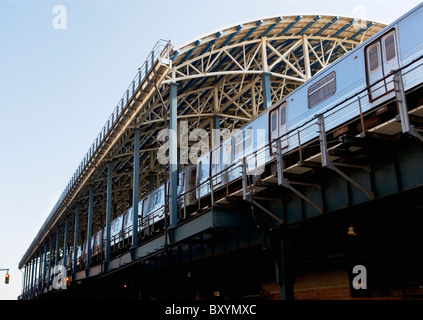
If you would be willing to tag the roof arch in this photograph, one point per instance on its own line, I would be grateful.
(220, 73)
(219, 78)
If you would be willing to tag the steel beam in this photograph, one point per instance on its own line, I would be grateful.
(75, 238)
(135, 188)
(45, 265)
(32, 277)
(65, 242)
(49, 261)
(326, 162)
(282, 267)
(90, 225)
(306, 56)
(39, 272)
(108, 210)
(173, 156)
(56, 260)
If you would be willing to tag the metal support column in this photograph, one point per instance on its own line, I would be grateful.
(32, 277)
(406, 126)
(56, 260)
(283, 270)
(35, 274)
(108, 210)
(267, 97)
(25, 282)
(40, 270)
(49, 262)
(44, 266)
(75, 238)
(306, 56)
(135, 191)
(65, 243)
(173, 156)
(216, 131)
(89, 227)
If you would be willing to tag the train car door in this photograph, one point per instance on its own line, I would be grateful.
(203, 174)
(282, 125)
(278, 126)
(381, 59)
(216, 166)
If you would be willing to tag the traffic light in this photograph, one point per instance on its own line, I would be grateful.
(6, 279)
(68, 281)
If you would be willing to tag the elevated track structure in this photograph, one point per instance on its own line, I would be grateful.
(223, 80)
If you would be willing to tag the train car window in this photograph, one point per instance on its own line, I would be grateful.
(274, 121)
(238, 143)
(373, 57)
(283, 115)
(157, 197)
(322, 90)
(248, 137)
(390, 52)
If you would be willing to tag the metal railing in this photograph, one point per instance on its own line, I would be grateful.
(304, 135)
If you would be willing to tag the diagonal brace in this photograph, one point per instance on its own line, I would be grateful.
(285, 183)
(326, 162)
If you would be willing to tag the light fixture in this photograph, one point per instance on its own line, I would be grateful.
(351, 231)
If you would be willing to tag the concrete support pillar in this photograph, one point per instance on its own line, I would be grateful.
(108, 210)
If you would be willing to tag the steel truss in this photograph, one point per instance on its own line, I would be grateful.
(222, 81)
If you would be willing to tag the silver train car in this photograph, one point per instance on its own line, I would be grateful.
(367, 69)
(151, 209)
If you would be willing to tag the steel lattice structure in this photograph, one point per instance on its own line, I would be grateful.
(223, 80)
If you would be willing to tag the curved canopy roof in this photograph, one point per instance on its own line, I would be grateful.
(219, 78)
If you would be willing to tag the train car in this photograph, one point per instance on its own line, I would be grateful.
(248, 142)
(367, 69)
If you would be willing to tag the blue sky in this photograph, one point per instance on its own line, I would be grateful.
(58, 87)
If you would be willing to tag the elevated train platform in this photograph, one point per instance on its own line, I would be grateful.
(348, 197)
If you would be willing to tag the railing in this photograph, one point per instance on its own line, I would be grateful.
(304, 135)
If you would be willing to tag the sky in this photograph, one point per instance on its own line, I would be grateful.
(61, 79)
